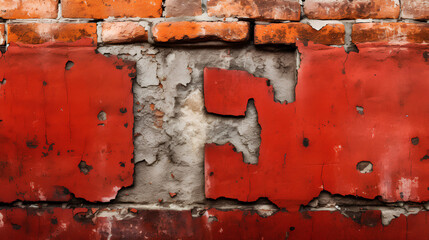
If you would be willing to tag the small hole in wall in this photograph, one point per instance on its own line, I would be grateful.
(305, 142)
(84, 168)
(102, 116)
(364, 167)
(415, 140)
(359, 109)
(3, 81)
(69, 65)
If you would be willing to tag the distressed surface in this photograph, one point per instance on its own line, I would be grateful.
(100, 9)
(349, 108)
(123, 32)
(182, 8)
(392, 33)
(201, 31)
(415, 9)
(82, 223)
(346, 9)
(36, 33)
(2, 34)
(172, 125)
(289, 33)
(259, 9)
(54, 138)
(19, 9)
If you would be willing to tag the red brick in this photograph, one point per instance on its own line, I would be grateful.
(123, 32)
(415, 9)
(390, 32)
(36, 33)
(100, 9)
(346, 9)
(2, 36)
(258, 9)
(201, 31)
(13, 9)
(289, 33)
(181, 8)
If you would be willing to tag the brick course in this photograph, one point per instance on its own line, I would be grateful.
(12, 9)
(257, 9)
(100, 9)
(415, 9)
(123, 32)
(390, 32)
(289, 33)
(36, 33)
(180, 8)
(201, 31)
(345, 9)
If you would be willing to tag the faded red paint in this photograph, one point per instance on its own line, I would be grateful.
(52, 142)
(57, 223)
(315, 143)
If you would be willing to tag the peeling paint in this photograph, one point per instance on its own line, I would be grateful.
(299, 149)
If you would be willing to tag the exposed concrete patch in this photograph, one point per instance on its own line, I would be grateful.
(350, 204)
(172, 125)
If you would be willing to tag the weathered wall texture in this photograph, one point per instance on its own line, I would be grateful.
(247, 119)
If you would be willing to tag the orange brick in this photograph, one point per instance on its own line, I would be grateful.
(36, 33)
(182, 8)
(100, 9)
(123, 32)
(415, 9)
(2, 36)
(201, 31)
(390, 32)
(13, 9)
(257, 9)
(346, 9)
(289, 33)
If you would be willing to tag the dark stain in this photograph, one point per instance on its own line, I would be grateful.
(426, 56)
(370, 218)
(126, 125)
(305, 142)
(292, 228)
(61, 192)
(355, 216)
(123, 110)
(268, 83)
(122, 164)
(305, 215)
(16, 226)
(402, 195)
(84, 168)
(45, 154)
(54, 221)
(82, 218)
(45, 83)
(425, 157)
(51, 147)
(211, 173)
(32, 143)
(132, 75)
(119, 67)
(415, 140)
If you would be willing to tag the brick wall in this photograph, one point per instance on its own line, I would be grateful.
(214, 119)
